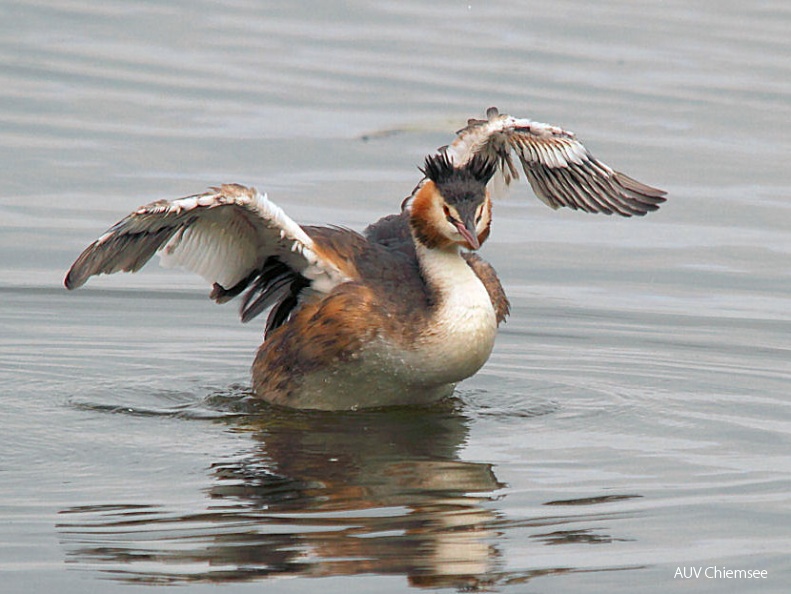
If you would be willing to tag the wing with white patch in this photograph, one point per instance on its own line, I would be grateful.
(232, 236)
(561, 171)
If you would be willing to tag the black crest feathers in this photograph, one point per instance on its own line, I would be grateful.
(441, 170)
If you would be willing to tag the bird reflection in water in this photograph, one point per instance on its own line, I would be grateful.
(318, 494)
(321, 494)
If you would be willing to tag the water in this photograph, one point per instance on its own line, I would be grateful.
(634, 418)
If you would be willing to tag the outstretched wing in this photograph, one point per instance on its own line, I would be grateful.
(559, 168)
(232, 236)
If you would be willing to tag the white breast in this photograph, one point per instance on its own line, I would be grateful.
(460, 338)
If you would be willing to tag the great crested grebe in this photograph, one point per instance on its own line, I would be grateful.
(396, 315)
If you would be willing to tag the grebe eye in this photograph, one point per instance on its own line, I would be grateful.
(448, 216)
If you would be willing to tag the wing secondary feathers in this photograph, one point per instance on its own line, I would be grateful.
(561, 171)
(232, 236)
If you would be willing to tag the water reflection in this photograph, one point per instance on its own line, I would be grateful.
(327, 494)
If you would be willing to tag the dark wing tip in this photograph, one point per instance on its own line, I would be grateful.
(70, 282)
(632, 185)
(640, 198)
(80, 271)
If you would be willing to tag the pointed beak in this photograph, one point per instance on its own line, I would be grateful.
(467, 231)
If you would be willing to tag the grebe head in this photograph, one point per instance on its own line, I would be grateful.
(453, 206)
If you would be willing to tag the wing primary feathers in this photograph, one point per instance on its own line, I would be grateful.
(124, 252)
(557, 191)
(222, 295)
(644, 193)
(267, 289)
(536, 180)
(592, 201)
(589, 184)
(281, 312)
(272, 293)
(232, 236)
(561, 171)
(277, 285)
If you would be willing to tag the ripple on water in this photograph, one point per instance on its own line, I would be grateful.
(155, 401)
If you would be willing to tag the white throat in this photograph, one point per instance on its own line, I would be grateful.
(462, 331)
(449, 273)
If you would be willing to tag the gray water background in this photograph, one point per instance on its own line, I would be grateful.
(634, 419)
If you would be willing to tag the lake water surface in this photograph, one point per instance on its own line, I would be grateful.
(634, 419)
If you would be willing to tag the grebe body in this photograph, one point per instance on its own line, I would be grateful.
(395, 315)
(374, 342)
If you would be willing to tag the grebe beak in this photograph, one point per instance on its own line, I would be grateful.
(467, 230)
